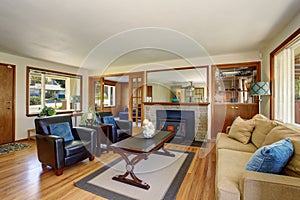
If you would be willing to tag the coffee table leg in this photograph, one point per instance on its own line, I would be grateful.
(164, 153)
(135, 181)
(167, 153)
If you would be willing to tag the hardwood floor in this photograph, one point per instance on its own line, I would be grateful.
(22, 177)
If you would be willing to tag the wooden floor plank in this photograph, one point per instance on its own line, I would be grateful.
(22, 177)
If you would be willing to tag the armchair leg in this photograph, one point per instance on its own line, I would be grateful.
(91, 157)
(44, 166)
(59, 172)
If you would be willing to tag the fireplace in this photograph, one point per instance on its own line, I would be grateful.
(182, 122)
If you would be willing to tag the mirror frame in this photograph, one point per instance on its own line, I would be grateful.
(186, 68)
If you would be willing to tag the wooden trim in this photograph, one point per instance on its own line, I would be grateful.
(112, 83)
(236, 65)
(102, 93)
(177, 104)
(53, 71)
(284, 44)
(27, 93)
(177, 68)
(117, 74)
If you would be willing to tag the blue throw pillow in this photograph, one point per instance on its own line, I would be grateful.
(63, 130)
(109, 120)
(271, 158)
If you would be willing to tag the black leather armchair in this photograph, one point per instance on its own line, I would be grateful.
(121, 130)
(54, 151)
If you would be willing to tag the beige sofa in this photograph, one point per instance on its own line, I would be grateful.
(233, 182)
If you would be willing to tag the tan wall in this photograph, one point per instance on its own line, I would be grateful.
(161, 93)
(273, 44)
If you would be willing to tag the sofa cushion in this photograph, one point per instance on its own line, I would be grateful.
(75, 147)
(261, 128)
(230, 167)
(281, 132)
(225, 142)
(271, 158)
(63, 130)
(109, 120)
(241, 130)
(259, 116)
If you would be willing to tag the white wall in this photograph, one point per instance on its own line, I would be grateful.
(204, 61)
(273, 44)
(22, 121)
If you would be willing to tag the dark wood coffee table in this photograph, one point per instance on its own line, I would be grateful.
(141, 147)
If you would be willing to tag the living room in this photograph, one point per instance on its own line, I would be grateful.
(55, 52)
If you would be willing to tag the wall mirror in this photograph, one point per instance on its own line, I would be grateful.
(179, 85)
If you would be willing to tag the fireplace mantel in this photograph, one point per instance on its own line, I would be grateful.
(177, 104)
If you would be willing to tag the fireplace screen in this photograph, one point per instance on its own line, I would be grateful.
(178, 126)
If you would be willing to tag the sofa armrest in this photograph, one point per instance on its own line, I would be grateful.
(257, 185)
(50, 149)
(125, 125)
(87, 134)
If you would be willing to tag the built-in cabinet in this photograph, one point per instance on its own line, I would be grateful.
(231, 94)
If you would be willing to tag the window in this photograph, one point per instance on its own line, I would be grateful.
(109, 95)
(285, 73)
(62, 91)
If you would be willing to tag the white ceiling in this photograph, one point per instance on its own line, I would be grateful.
(93, 33)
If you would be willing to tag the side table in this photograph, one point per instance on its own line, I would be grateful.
(28, 133)
(101, 129)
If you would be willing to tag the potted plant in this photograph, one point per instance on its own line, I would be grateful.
(88, 118)
(47, 111)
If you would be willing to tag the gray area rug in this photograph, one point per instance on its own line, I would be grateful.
(12, 147)
(191, 143)
(164, 175)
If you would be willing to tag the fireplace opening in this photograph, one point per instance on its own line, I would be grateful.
(182, 122)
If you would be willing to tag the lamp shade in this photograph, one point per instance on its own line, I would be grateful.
(259, 88)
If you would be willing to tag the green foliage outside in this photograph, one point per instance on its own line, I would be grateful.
(34, 100)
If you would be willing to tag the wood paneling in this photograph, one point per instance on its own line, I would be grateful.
(224, 114)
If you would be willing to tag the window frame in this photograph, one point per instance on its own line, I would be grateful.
(51, 72)
(293, 37)
(109, 85)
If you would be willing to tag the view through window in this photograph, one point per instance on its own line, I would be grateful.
(109, 95)
(61, 91)
(286, 81)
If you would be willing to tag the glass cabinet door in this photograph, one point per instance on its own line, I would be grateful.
(136, 83)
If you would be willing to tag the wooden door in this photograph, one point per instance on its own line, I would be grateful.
(7, 115)
(136, 95)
